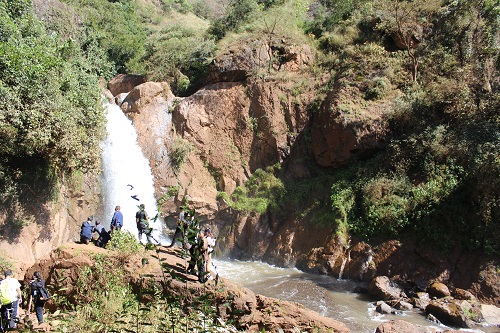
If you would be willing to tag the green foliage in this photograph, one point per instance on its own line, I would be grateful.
(104, 297)
(178, 152)
(118, 28)
(180, 55)
(262, 191)
(239, 11)
(327, 14)
(51, 121)
(124, 245)
(377, 88)
(5, 264)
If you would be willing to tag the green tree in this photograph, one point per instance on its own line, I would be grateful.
(239, 11)
(407, 22)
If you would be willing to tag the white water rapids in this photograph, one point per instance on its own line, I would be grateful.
(124, 165)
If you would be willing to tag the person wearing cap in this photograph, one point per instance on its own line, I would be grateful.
(86, 231)
(10, 291)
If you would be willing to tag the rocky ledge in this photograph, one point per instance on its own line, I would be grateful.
(246, 310)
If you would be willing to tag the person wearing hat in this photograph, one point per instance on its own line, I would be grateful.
(10, 292)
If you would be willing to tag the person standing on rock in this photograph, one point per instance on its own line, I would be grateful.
(86, 231)
(36, 285)
(11, 297)
(181, 225)
(117, 219)
(210, 238)
(142, 220)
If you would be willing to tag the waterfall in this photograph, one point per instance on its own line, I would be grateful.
(342, 267)
(127, 180)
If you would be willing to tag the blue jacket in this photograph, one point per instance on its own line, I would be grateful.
(117, 219)
(87, 229)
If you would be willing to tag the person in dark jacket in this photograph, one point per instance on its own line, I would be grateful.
(36, 284)
(86, 232)
(104, 237)
(142, 221)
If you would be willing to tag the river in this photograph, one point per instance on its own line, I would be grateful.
(324, 294)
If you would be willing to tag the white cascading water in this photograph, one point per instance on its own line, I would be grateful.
(126, 174)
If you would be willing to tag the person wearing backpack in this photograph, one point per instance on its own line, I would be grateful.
(141, 219)
(39, 295)
(10, 294)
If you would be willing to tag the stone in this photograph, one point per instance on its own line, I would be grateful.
(490, 314)
(421, 300)
(384, 308)
(438, 289)
(453, 312)
(399, 326)
(124, 83)
(404, 306)
(383, 288)
(463, 294)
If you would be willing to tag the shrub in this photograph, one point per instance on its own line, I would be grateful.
(262, 191)
(124, 245)
(104, 298)
(239, 11)
(377, 88)
(179, 55)
(178, 152)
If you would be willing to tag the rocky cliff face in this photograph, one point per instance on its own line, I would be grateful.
(55, 222)
(237, 124)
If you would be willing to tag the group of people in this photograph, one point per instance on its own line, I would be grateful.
(11, 298)
(200, 243)
(104, 236)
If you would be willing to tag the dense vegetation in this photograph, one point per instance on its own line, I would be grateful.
(438, 176)
(51, 122)
(439, 172)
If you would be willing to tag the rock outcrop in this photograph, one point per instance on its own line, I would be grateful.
(247, 310)
(123, 83)
(239, 124)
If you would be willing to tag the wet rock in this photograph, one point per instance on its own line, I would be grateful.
(399, 326)
(120, 98)
(421, 300)
(430, 317)
(123, 83)
(383, 288)
(454, 312)
(404, 306)
(438, 289)
(463, 294)
(384, 308)
(490, 314)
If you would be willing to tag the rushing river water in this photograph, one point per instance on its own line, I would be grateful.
(330, 297)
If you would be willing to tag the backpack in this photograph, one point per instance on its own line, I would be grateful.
(4, 297)
(44, 293)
